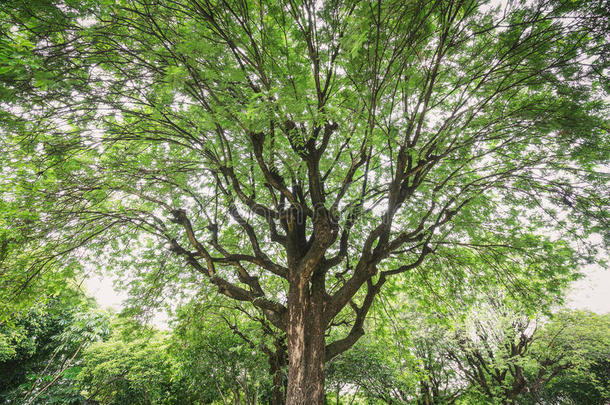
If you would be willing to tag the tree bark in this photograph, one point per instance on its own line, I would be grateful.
(277, 361)
(306, 344)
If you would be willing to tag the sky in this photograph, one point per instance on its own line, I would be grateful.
(102, 290)
(592, 292)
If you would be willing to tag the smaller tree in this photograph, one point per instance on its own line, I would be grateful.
(491, 351)
(224, 354)
(132, 367)
(41, 348)
(509, 358)
(406, 363)
(483, 350)
(366, 371)
(573, 351)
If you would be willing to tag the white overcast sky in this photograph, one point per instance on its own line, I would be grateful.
(592, 292)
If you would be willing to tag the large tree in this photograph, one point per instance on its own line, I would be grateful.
(298, 154)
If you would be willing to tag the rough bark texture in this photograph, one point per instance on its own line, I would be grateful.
(306, 345)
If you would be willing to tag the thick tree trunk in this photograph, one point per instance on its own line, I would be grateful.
(306, 346)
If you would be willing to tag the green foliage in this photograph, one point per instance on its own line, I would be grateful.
(486, 352)
(266, 147)
(146, 117)
(131, 368)
(42, 349)
(497, 355)
(221, 354)
(575, 347)
(368, 370)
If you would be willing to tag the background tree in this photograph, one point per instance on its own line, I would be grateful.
(572, 351)
(491, 349)
(42, 349)
(134, 366)
(297, 155)
(509, 358)
(487, 353)
(367, 371)
(224, 353)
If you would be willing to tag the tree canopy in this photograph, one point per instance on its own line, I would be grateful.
(297, 155)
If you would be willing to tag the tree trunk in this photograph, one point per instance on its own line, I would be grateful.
(277, 361)
(306, 345)
(277, 394)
